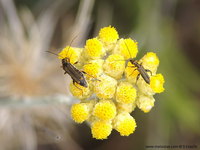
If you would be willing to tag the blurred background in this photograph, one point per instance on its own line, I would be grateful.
(34, 97)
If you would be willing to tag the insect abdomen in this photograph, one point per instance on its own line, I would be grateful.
(145, 76)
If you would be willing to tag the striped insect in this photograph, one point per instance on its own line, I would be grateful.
(76, 75)
(69, 68)
(142, 71)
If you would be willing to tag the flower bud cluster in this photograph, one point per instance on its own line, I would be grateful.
(115, 85)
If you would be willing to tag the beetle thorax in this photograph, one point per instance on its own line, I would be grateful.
(134, 62)
(65, 61)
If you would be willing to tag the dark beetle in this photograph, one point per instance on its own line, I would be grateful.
(140, 68)
(142, 71)
(76, 75)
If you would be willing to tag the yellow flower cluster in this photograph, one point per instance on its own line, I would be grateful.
(117, 84)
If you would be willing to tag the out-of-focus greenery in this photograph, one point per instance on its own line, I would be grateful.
(178, 105)
(175, 118)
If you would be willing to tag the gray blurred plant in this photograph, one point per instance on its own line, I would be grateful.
(25, 68)
(30, 115)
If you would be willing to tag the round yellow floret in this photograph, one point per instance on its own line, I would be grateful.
(71, 53)
(145, 102)
(108, 34)
(150, 61)
(79, 91)
(125, 93)
(156, 83)
(79, 112)
(105, 88)
(94, 48)
(125, 124)
(127, 48)
(93, 68)
(144, 87)
(131, 72)
(122, 107)
(101, 129)
(105, 110)
(114, 66)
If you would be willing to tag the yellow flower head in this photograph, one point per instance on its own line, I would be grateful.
(105, 110)
(114, 66)
(131, 72)
(94, 48)
(93, 68)
(105, 88)
(122, 107)
(150, 61)
(101, 129)
(144, 87)
(80, 112)
(127, 48)
(125, 124)
(113, 90)
(156, 83)
(70, 53)
(145, 102)
(125, 93)
(79, 91)
(108, 34)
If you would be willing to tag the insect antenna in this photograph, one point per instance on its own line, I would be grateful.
(128, 52)
(128, 49)
(70, 45)
(52, 53)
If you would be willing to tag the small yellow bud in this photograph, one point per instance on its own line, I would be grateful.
(156, 83)
(93, 68)
(105, 110)
(108, 34)
(105, 88)
(80, 112)
(122, 107)
(125, 93)
(144, 87)
(150, 61)
(124, 123)
(79, 91)
(114, 66)
(127, 48)
(101, 129)
(71, 53)
(94, 48)
(131, 73)
(145, 102)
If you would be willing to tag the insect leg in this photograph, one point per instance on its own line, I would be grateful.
(90, 75)
(138, 77)
(147, 70)
(132, 66)
(77, 87)
(133, 72)
(84, 72)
